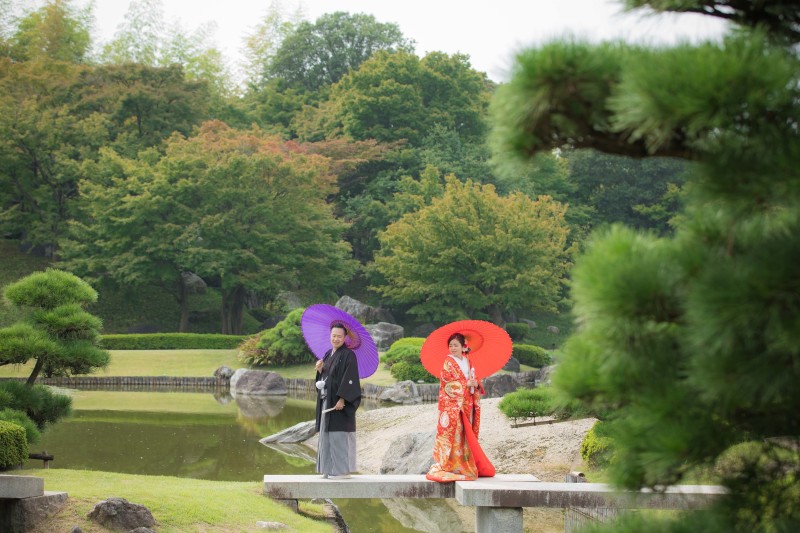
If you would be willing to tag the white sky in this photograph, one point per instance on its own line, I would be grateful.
(490, 32)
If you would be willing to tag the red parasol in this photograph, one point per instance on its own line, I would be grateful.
(489, 344)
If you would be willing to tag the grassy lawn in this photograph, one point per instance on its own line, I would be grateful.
(187, 363)
(177, 504)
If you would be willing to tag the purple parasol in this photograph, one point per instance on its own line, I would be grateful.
(316, 325)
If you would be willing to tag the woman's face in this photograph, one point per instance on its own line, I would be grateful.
(456, 349)
(337, 338)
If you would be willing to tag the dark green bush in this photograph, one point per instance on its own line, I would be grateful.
(527, 403)
(13, 445)
(170, 341)
(282, 345)
(38, 402)
(528, 354)
(404, 371)
(517, 330)
(19, 418)
(596, 448)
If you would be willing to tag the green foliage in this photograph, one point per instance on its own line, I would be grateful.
(473, 253)
(517, 330)
(39, 403)
(50, 289)
(15, 416)
(405, 350)
(669, 328)
(236, 233)
(528, 354)
(527, 403)
(56, 32)
(57, 332)
(314, 56)
(397, 95)
(414, 371)
(13, 445)
(596, 448)
(282, 345)
(170, 341)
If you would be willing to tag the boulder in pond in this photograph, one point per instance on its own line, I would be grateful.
(257, 383)
(296, 433)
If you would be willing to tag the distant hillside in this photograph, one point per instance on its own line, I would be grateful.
(145, 309)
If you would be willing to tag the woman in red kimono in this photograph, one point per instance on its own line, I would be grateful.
(459, 392)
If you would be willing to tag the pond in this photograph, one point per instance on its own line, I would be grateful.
(199, 435)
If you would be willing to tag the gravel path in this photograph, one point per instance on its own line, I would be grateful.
(547, 451)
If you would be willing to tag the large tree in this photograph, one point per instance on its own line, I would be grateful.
(58, 31)
(244, 210)
(690, 341)
(472, 253)
(314, 56)
(397, 95)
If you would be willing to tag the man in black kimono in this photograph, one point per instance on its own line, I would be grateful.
(339, 388)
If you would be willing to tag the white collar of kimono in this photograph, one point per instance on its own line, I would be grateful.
(463, 363)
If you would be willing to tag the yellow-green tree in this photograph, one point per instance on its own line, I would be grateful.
(472, 253)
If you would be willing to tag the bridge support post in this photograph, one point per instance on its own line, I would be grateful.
(498, 520)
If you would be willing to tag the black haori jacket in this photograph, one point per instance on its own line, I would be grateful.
(342, 382)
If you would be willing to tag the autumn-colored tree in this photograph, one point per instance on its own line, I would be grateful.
(472, 253)
(244, 210)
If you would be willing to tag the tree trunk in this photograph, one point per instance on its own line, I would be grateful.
(35, 374)
(183, 301)
(496, 315)
(233, 310)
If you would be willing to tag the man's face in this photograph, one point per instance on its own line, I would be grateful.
(337, 338)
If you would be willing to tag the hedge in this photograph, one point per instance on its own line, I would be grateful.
(170, 341)
(13, 445)
(531, 355)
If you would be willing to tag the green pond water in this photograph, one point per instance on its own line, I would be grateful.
(208, 436)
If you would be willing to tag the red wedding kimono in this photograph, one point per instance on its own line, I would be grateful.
(455, 459)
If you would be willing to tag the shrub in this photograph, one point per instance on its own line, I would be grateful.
(596, 448)
(406, 353)
(282, 345)
(527, 403)
(19, 418)
(528, 354)
(517, 330)
(404, 371)
(408, 341)
(13, 445)
(39, 403)
(249, 352)
(170, 341)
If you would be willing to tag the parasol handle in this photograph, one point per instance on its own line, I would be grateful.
(472, 376)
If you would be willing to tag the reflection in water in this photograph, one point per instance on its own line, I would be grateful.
(202, 436)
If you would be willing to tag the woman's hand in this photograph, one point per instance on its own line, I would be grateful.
(340, 404)
(318, 365)
(472, 382)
